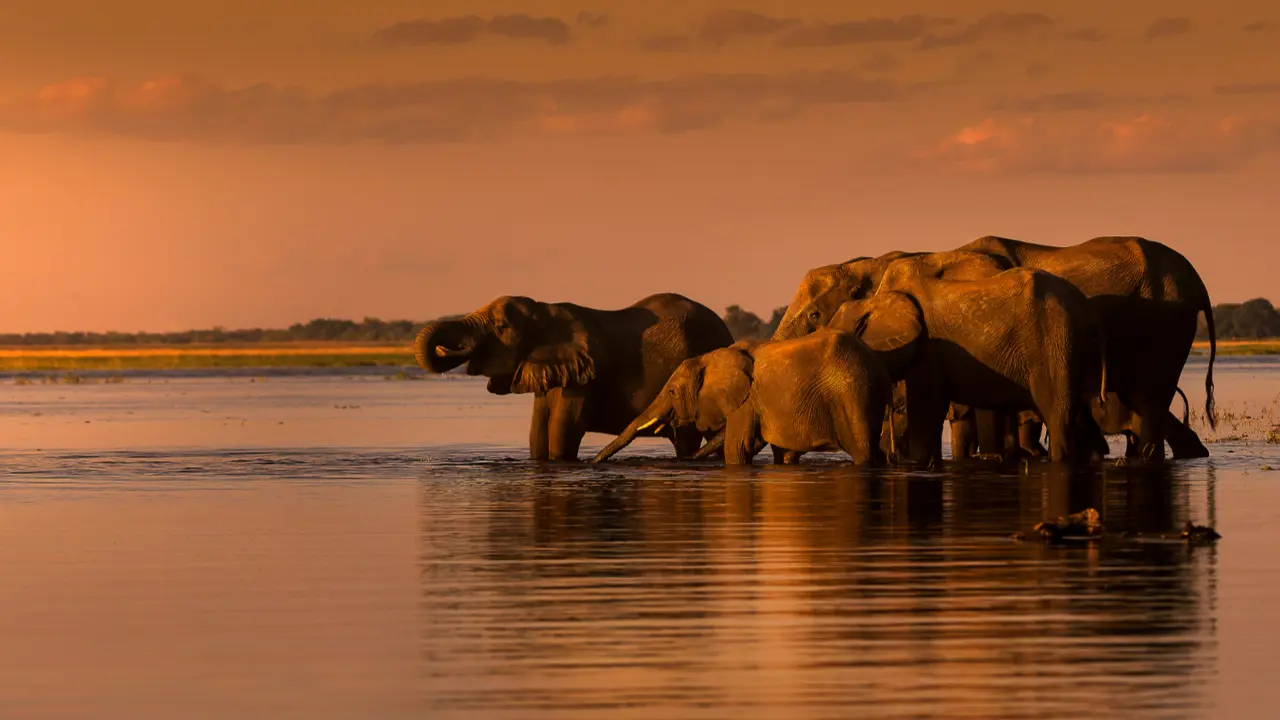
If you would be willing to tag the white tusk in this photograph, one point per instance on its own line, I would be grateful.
(658, 428)
(441, 352)
(642, 427)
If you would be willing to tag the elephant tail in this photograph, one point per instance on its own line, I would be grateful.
(1209, 412)
(1186, 406)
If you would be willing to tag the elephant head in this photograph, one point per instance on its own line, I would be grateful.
(824, 289)
(890, 323)
(702, 392)
(520, 345)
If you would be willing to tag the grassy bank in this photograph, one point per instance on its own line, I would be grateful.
(38, 359)
(1240, 347)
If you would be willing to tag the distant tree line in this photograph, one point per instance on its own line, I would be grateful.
(1248, 320)
(746, 325)
(1256, 318)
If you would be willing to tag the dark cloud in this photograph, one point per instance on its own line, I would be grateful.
(1144, 144)
(1167, 27)
(1258, 26)
(190, 108)
(1092, 35)
(721, 26)
(469, 28)
(872, 30)
(997, 24)
(1248, 89)
(592, 20)
(1079, 100)
(882, 62)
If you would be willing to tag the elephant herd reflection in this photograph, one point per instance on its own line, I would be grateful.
(699, 585)
(1005, 340)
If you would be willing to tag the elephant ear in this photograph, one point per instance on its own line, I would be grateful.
(561, 358)
(725, 384)
(892, 325)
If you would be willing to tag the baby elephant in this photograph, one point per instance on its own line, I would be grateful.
(824, 391)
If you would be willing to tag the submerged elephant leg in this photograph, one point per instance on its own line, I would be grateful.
(926, 412)
(1029, 431)
(687, 440)
(990, 426)
(539, 438)
(1152, 433)
(964, 437)
(1183, 441)
(568, 423)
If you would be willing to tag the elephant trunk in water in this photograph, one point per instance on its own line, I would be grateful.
(443, 346)
(652, 419)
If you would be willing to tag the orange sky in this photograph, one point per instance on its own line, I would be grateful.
(171, 165)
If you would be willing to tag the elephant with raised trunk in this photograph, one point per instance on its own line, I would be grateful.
(1146, 295)
(589, 370)
(1020, 340)
(827, 391)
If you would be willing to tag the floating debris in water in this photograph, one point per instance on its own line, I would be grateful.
(1199, 534)
(1084, 525)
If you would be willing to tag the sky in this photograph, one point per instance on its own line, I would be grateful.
(250, 163)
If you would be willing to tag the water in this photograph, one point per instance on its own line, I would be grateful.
(343, 546)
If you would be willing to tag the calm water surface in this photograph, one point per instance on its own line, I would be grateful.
(351, 547)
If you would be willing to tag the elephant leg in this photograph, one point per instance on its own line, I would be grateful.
(1183, 441)
(926, 412)
(1029, 431)
(783, 456)
(568, 423)
(539, 433)
(1153, 411)
(686, 440)
(964, 432)
(990, 428)
(741, 433)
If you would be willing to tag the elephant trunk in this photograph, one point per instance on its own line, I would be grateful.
(713, 446)
(651, 419)
(789, 327)
(443, 346)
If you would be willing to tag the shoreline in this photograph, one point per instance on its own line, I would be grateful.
(45, 358)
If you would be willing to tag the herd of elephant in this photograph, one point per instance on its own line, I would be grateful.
(1005, 340)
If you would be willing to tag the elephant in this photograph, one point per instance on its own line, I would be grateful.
(1020, 340)
(1146, 295)
(825, 391)
(589, 370)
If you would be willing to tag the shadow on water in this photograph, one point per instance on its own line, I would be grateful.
(563, 592)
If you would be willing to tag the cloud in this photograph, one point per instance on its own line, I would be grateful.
(192, 108)
(997, 24)
(1078, 100)
(882, 62)
(469, 28)
(719, 27)
(592, 20)
(1258, 26)
(1093, 35)
(873, 30)
(1141, 144)
(1248, 89)
(1167, 27)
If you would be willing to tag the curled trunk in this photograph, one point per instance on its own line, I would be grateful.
(443, 346)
